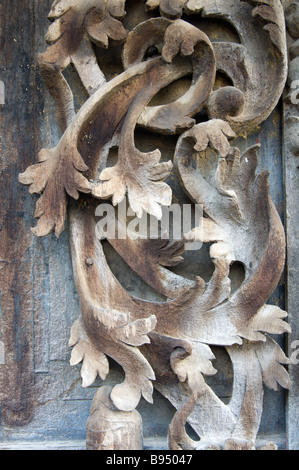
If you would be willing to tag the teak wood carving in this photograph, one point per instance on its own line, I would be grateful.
(167, 345)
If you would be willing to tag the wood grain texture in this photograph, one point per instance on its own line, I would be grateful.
(18, 129)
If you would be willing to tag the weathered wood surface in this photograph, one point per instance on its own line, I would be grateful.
(33, 295)
(18, 146)
(52, 266)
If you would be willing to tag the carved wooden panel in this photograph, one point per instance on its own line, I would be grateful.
(175, 79)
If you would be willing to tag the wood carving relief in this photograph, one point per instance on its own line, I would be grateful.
(168, 344)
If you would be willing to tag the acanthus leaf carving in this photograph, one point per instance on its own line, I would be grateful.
(271, 359)
(192, 367)
(56, 174)
(94, 362)
(168, 344)
(270, 13)
(247, 102)
(73, 21)
(214, 133)
(240, 191)
(139, 176)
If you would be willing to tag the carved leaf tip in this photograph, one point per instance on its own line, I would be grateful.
(129, 335)
(143, 183)
(100, 29)
(272, 360)
(98, 20)
(54, 176)
(94, 361)
(59, 7)
(269, 319)
(181, 37)
(215, 133)
(173, 9)
(191, 367)
(271, 14)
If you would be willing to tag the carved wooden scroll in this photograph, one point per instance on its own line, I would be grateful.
(167, 344)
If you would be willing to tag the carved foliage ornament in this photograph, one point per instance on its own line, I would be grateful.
(167, 345)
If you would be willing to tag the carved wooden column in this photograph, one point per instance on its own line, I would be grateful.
(291, 153)
(167, 344)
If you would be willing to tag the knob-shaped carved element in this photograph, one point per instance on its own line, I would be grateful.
(111, 429)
